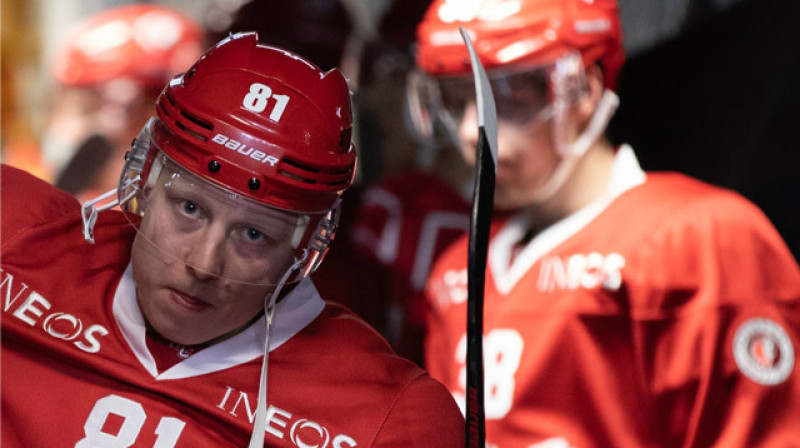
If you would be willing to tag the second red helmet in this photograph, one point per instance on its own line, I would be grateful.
(146, 43)
(520, 34)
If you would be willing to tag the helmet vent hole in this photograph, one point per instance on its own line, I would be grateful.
(296, 177)
(344, 178)
(197, 121)
(302, 172)
(194, 134)
(301, 166)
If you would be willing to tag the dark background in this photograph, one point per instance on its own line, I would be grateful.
(716, 94)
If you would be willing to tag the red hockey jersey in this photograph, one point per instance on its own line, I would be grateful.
(404, 223)
(666, 314)
(77, 370)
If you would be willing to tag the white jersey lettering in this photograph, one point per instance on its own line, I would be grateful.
(281, 424)
(588, 271)
(64, 326)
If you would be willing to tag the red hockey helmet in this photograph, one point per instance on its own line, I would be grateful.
(261, 122)
(520, 34)
(147, 43)
(266, 127)
(535, 53)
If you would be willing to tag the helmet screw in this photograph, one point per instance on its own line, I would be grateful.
(254, 183)
(213, 166)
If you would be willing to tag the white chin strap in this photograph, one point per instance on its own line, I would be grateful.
(572, 152)
(260, 423)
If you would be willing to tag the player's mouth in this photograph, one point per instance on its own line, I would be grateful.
(188, 302)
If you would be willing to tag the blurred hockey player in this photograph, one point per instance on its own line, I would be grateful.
(109, 72)
(623, 308)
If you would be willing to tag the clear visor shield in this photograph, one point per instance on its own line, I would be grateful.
(214, 232)
(437, 105)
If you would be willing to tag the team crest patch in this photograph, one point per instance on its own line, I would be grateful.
(763, 351)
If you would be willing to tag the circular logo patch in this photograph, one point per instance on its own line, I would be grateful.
(763, 351)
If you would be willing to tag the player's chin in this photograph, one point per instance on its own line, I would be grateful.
(506, 199)
(183, 332)
(173, 322)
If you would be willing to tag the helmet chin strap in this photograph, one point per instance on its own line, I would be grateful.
(572, 152)
(260, 423)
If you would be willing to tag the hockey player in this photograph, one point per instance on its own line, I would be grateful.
(622, 308)
(109, 72)
(153, 332)
(403, 223)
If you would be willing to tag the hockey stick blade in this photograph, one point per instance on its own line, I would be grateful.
(482, 205)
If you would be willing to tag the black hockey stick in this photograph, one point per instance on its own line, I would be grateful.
(482, 204)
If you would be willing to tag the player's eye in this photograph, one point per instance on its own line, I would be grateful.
(254, 235)
(188, 207)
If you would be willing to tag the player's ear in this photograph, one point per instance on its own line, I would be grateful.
(144, 195)
(587, 104)
(142, 199)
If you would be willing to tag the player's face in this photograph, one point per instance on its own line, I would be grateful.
(204, 260)
(526, 156)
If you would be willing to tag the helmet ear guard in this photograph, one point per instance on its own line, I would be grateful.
(140, 163)
(126, 193)
(319, 242)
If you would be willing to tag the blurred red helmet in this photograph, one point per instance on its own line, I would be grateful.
(147, 43)
(261, 122)
(520, 34)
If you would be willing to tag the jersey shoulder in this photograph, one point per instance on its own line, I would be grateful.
(28, 201)
(676, 202)
(393, 398)
(675, 192)
(346, 345)
(337, 326)
(681, 234)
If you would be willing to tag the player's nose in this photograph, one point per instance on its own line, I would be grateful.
(468, 131)
(204, 256)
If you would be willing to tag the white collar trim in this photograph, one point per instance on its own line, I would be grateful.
(293, 313)
(626, 174)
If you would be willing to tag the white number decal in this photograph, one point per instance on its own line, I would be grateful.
(280, 105)
(459, 10)
(502, 350)
(435, 226)
(168, 430)
(258, 98)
